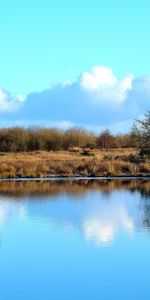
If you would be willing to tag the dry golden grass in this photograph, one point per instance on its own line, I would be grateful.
(63, 155)
(64, 163)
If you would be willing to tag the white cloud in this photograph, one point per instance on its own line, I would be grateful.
(66, 83)
(58, 124)
(98, 78)
(20, 98)
(8, 103)
(105, 84)
(98, 99)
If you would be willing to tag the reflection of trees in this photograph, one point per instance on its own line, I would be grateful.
(146, 212)
(146, 221)
(144, 188)
(145, 191)
(72, 187)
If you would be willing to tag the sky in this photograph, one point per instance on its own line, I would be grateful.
(48, 45)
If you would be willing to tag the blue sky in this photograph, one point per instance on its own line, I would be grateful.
(47, 42)
(50, 41)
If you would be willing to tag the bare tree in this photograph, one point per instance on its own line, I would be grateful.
(105, 140)
(143, 126)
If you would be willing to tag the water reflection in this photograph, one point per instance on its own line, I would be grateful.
(8, 209)
(75, 239)
(52, 188)
(98, 210)
(105, 224)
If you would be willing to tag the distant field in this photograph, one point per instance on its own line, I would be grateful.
(115, 162)
(61, 155)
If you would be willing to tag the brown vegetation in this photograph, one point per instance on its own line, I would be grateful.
(19, 139)
(40, 164)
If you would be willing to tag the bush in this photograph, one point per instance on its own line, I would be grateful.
(87, 152)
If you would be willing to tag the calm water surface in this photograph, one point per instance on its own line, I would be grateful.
(86, 240)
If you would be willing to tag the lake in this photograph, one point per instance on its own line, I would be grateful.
(75, 239)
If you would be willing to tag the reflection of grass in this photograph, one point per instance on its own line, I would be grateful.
(72, 187)
(46, 164)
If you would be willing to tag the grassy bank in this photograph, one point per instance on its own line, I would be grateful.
(116, 162)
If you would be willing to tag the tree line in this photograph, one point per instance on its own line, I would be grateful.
(18, 139)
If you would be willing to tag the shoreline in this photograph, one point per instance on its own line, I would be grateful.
(61, 178)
